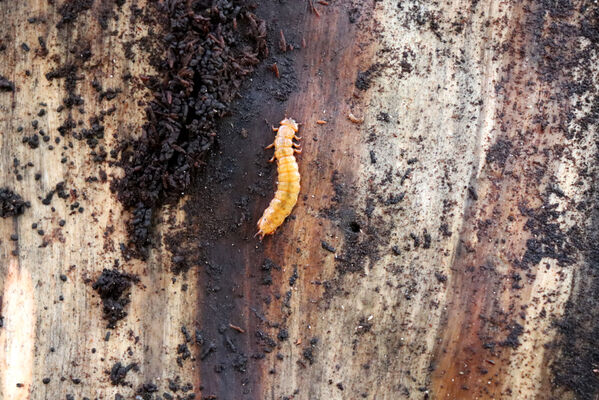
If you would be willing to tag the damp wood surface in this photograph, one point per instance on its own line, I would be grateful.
(444, 244)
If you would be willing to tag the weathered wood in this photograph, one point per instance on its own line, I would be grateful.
(443, 248)
(69, 334)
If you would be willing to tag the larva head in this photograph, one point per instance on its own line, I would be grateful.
(290, 123)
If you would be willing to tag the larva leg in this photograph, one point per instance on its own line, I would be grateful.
(272, 159)
(270, 146)
(274, 129)
(297, 137)
(298, 150)
(296, 145)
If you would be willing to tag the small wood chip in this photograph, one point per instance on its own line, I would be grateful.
(313, 9)
(324, 3)
(298, 342)
(355, 119)
(283, 42)
(321, 122)
(237, 328)
(275, 69)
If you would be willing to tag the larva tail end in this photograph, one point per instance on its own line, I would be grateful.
(260, 233)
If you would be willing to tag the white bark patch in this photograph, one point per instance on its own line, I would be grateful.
(18, 333)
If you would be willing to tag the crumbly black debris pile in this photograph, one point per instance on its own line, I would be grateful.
(11, 204)
(119, 372)
(113, 286)
(499, 152)
(365, 77)
(309, 352)
(145, 391)
(209, 50)
(70, 10)
(69, 72)
(547, 239)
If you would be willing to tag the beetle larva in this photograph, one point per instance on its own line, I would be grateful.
(288, 185)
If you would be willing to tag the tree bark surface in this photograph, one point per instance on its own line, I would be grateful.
(443, 246)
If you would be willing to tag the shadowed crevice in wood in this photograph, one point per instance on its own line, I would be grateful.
(267, 288)
(235, 338)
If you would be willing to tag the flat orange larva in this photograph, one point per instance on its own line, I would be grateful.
(288, 185)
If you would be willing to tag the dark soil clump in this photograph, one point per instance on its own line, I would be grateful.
(208, 52)
(499, 152)
(365, 77)
(70, 10)
(112, 286)
(6, 85)
(118, 372)
(11, 204)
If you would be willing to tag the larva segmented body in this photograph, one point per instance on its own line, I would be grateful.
(288, 185)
